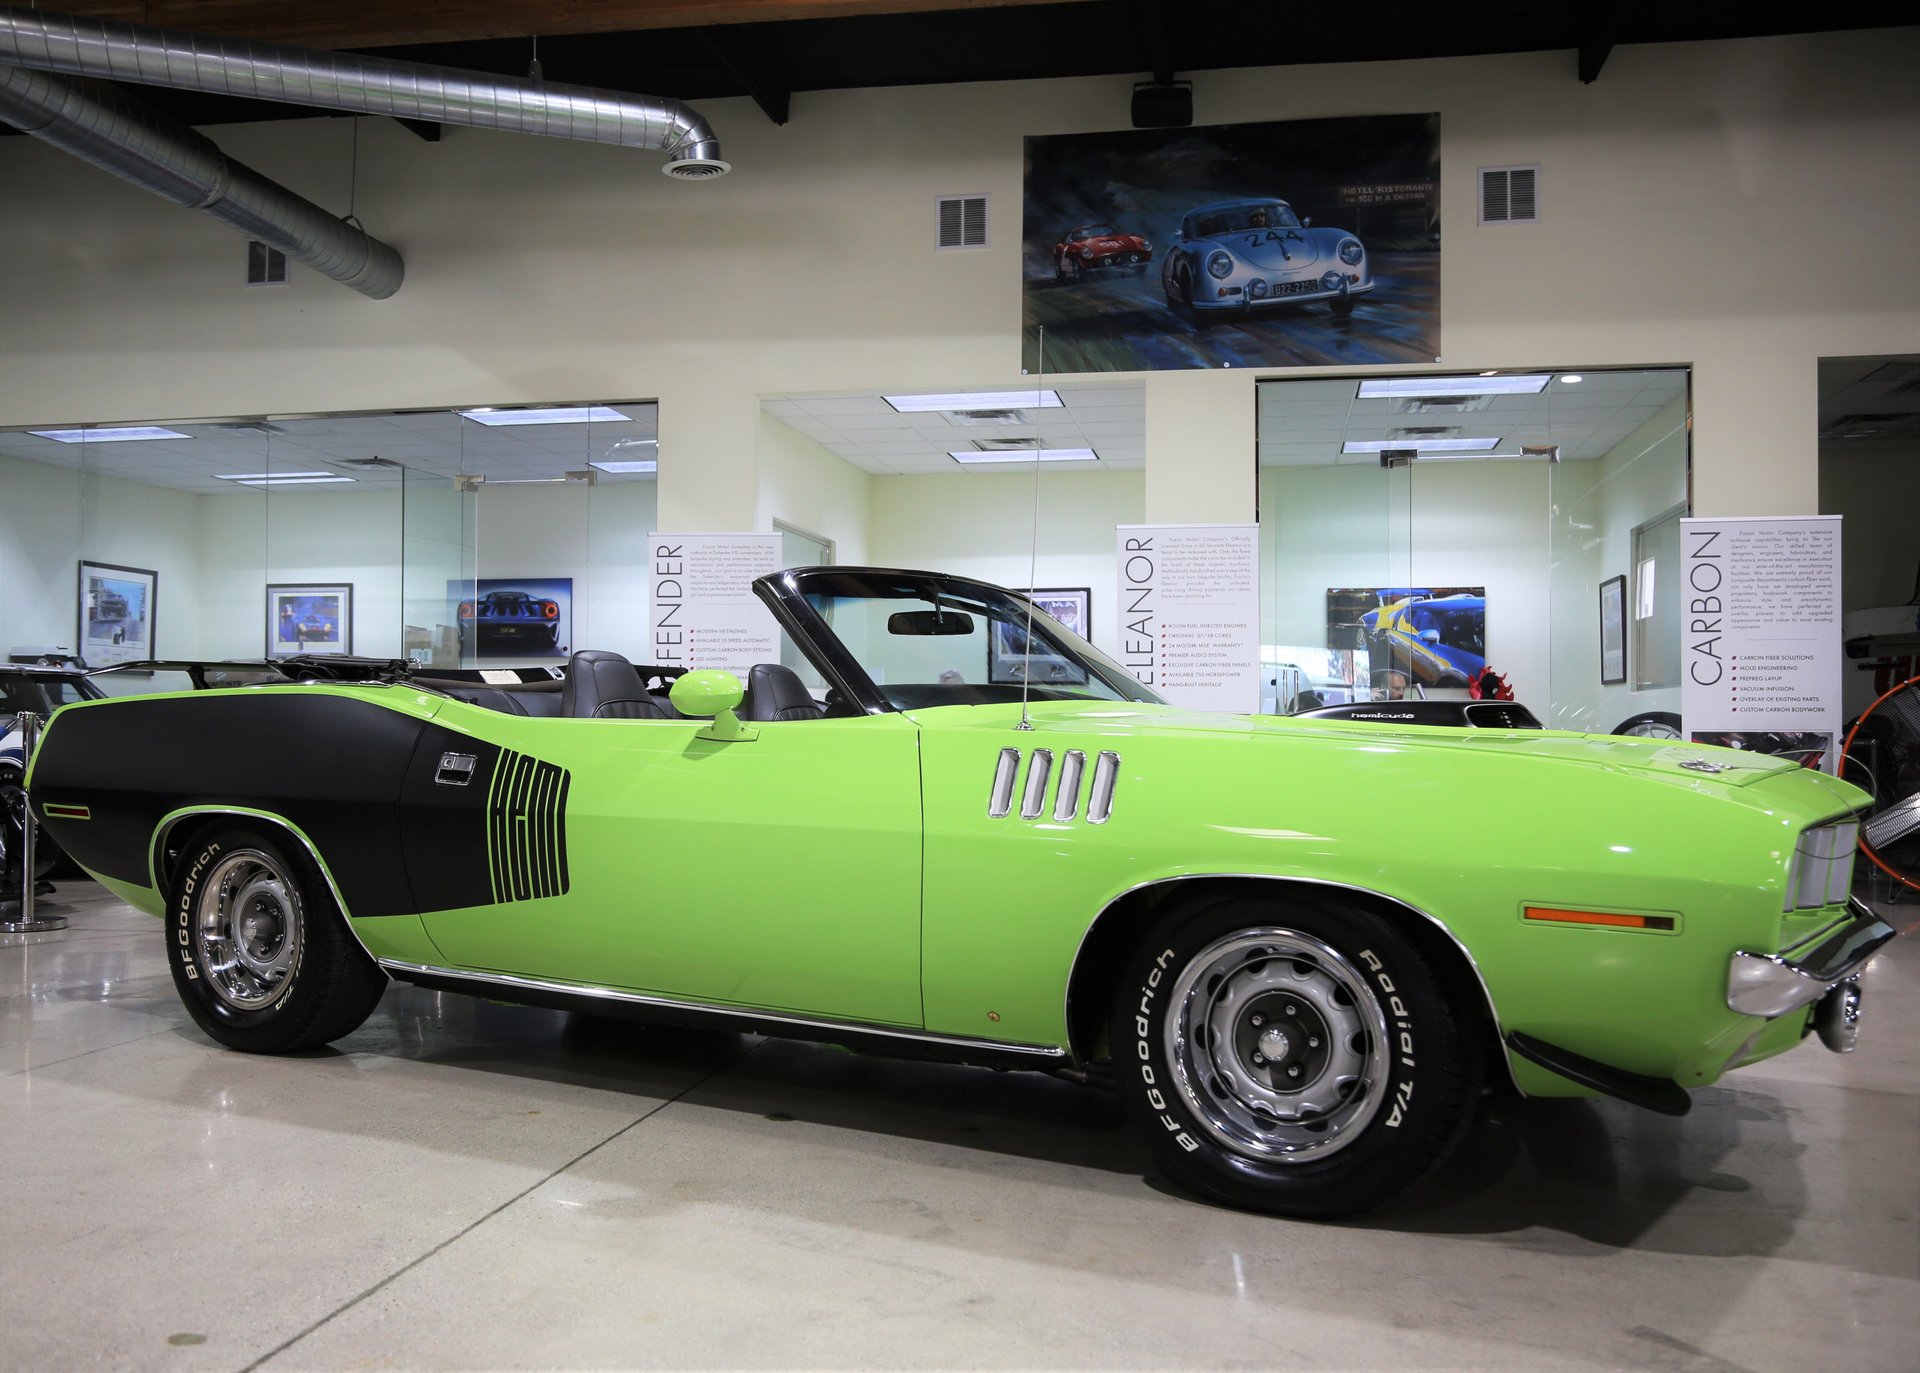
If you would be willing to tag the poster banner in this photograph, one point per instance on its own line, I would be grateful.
(1760, 639)
(1190, 612)
(704, 612)
(1296, 243)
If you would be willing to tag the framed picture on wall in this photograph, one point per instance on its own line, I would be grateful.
(116, 613)
(1613, 631)
(1072, 606)
(309, 618)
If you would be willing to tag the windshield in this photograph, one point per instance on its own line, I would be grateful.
(1091, 231)
(928, 641)
(1463, 628)
(1253, 214)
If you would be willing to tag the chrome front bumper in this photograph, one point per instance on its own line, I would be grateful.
(1770, 984)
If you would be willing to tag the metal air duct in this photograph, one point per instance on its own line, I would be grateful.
(117, 133)
(365, 85)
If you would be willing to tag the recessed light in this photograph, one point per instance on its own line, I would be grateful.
(551, 414)
(1422, 445)
(1482, 385)
(976, 400)
(139, 433)
(1028, 455)
(646, 465)
(1572, 379)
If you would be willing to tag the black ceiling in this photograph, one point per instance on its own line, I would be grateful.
(1094, 38)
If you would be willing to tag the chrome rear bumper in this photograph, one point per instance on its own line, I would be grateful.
(1770, 984)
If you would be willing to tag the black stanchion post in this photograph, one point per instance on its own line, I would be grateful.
(26, 920)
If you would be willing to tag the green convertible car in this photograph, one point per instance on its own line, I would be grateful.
(1298, 948)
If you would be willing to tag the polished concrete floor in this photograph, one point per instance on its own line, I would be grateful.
(465, 1185)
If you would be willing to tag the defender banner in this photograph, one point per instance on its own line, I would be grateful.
(1190, 612)
(1760, 635)
(704, 612)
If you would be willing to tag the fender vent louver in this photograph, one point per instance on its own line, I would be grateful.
(963, 222)
(1510, 195)
(527, 828)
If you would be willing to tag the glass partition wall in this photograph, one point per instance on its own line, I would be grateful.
(487, 535)
(1417, 531)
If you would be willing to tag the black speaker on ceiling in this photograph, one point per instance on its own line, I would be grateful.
(1158, 106)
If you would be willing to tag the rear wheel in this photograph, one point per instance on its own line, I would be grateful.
(1300, 1059)
(261, 955)
(1652, 724)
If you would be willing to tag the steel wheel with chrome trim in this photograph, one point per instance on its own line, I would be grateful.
(261, 955)
(1303, 1059)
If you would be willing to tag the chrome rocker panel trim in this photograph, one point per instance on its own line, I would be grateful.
(1768, 984)
(780, 1024)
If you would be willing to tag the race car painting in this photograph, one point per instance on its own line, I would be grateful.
(515, 618)
(881, 847)
(1438, 641)
(1090, 248)
(1234, 258)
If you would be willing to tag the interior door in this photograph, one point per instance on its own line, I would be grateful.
(781, 873)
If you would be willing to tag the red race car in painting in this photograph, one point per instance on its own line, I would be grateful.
(1089, 248)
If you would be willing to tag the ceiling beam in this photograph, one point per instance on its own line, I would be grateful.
(424, 130)
(379, 23)
(773, 97)
(1593, 56)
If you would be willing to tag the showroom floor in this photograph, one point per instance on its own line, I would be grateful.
(465, 1185)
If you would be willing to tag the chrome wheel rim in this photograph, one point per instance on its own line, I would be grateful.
(1279, 1045)
(1652, 729)
(249, 930)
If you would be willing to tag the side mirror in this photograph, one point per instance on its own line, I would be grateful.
(1307, 222)
(1429, 636)
(711, 692)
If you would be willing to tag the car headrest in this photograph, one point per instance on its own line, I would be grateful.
(604, 685)
(776, 693)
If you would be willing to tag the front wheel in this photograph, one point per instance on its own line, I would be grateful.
(261, 955)
(1300, 1059)
(1342, 304)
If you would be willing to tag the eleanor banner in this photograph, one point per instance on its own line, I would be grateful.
(1190, 612)
(704, 612)
(1760, 635)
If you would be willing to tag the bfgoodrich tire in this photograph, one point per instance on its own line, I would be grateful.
(261, 955)
(1297, 1058)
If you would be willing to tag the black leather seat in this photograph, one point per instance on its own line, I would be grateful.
(775, 693)
(605, 686)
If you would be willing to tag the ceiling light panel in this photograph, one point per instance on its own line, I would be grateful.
(1379, 388)
(552, 414)
(1026, 455)
(1029, 399)
(1474, 445)
(140, 433)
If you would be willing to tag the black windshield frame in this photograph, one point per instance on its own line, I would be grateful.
(789, 596)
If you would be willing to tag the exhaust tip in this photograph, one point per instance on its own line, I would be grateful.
(696, 168)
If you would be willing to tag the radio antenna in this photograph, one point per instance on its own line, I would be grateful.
(1033, 548)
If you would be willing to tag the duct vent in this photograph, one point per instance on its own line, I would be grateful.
(1510, 195)
(996, 417)
(963, 222)
(266, 265)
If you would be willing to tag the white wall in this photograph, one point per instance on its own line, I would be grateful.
(811, 489)
(51, 517)
(980, 524)
(1597, 506)
(1451, 524)
(595, 535)
(1743, 206)
(1878, 491)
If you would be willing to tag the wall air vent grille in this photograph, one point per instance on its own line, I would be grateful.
(1509, 195)
(266, 265)
(962, 221)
